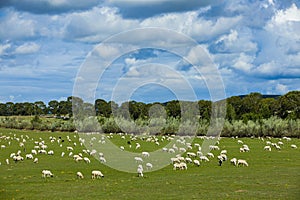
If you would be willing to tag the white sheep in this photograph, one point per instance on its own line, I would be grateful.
(242, 162)
(204, 158)
(34, 152)
(7, 161)
(102, 160)
(294, 146)
(97, 174)
(122, 148)
(87, 160)
(149, 166)
(223, 152)
(47, 173)
(36, 160)
(29, 156)
(188, 160)
(79, 175)
(191, 154)
(138, 159)
(240, 142)
(140, 172)
(137, 146)
(69, 148)
(145, 154)
(197, 162)
(211, 155)
(62, 154)
(3, 146)
(267, 148)
(233, 161)
(51, 152)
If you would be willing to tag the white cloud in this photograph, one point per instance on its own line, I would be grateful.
(14, 26)
(3, 48)
(27, 48)
(281, 89)
(244, 63)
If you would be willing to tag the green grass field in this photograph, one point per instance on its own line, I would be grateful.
(270, 175)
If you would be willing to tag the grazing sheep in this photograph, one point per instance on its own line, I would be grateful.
(191, 154)
(233, 161)
(122, 148)
(79, 175)
(204, 158)
(280, 143)
(180, 166)
(213, 147)
(69, 148)
(140, 172)
(267, 148)
(240, 142)
(171, 150)
(181, 149)
(149, 166)
(87, 160)
(102, 160)
(33, 151)
(223, 152)
(62, 154)
(18, 158)
(294, 146)
(188, 160)
(29, 156)
(97, 174)
(36, 160)
(3, 146)
(197, 162)
(46, 173)
(7, 161)
(242, 149)
(137, 146)
(242, 162)
(138, 159)
(211, 155)
(51, 152)
(145, 154)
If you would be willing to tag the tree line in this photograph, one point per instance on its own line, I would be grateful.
(253, 106)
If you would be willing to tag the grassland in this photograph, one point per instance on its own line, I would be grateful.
(270, 175)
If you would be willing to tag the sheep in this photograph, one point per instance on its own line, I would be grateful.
(34, 152)
(137, 146)
(222, 157)
(102, 160)
(233, 161)
(78, 159)
(70, 149)
(122, 148)
(242, 162)
(204, 158)
(171, 150)
(175, 160)
(140, 172)
(211, 155)
(3, 146)
(18, 158)
(36, 160)
(79, 175)
(7, 161)
(280, 143)
(97, 174)
(180, 166)
(87, 160)
(138, 159)
(145, 154)
(51, 152)
(182, 149)
(191, 154)
(47, 173)
(223, 152)
(149, 166)
(196, 162)
(294, 146)
(267, 148)
(29, 156)
(240, 142)
(188, 160)
(62, 154)
(213, 147)
(42, 151)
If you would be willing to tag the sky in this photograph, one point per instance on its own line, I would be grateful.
(142, 50)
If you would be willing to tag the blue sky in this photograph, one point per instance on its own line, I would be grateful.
(255, 46)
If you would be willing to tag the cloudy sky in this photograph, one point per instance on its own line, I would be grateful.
(254, 46)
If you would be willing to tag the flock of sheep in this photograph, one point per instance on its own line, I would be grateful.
(193, 152)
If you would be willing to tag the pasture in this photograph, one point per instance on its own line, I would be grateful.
(270, 175)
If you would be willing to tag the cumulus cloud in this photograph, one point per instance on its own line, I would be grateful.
(27, 48)
(50, 6)
(3, 48)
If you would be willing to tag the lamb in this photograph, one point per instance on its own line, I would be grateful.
(97, 174)
(33, 151)
(188, 160)
(240, 142)
(137, 146)
(62, 154)
(51, 152)
(191, 154)
(223, 152)
(47, 173)
(79, 175)
(69, 148)
(242, 162)
(36, 160)
(7, 161)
